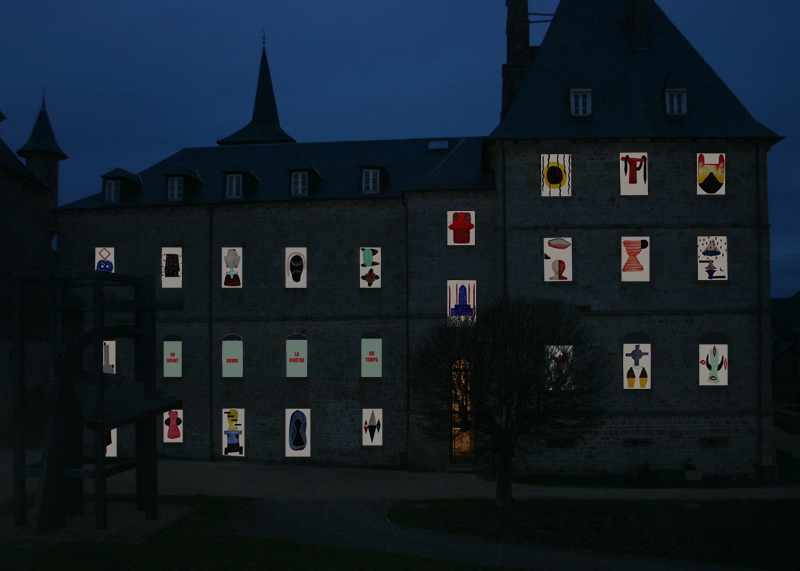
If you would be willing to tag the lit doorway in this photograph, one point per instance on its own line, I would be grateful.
(463, 440)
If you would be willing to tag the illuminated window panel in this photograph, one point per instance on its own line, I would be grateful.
(233, 432)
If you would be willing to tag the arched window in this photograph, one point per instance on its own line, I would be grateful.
(173, 356)
(637, 370)
(296, 356)
(713, 360)
(463, 432)
(371, 355)
(232, 356)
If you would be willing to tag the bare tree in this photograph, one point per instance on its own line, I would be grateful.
(523, 371)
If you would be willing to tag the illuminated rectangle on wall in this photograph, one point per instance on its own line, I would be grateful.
(369, 268)
(173, 358)
(232, 267)
(635, 258)
(171, 267)
(460, 227)
(233, 432)
(712, 258)
(711, 174)
(111, 443)
(461, 300)
(104, 259)
(296, 271)
(371, 357)
(110, 357)
(714, 364)
(298, 432)
(173, 426)
(557, 259)
(372, 427)
(636, 367)
(633, 174)
(232, 358)
(556, 175)
(296, 356)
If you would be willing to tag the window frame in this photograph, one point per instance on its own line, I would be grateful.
(681, 105)
(230, 189)
(370, 180)
(112, 190)
(300, 183)
(175, 187)
(576, 101)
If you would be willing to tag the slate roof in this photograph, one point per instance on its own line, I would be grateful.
(9, 160)
(42, 137)
(592, 44)
(408, 164)
(265, 126)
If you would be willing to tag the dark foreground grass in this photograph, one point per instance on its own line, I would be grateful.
(764, 534)
(196, 544)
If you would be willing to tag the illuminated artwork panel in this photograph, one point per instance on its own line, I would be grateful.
(557, 259)
(369, 268)
(298, 432)
(711, 174)
(296, 267)
(173, 426)
(111, 443)
(460, 227)
(232, 267)
(233, 432)
(461, 300)
(296, 356)
(636, 367)
(633, 174)
(173, 358)
(171, 267)
(712, 258)
(635, 259)
(104, 259)
(232, 358)
(372, 427)
(714, 364)
(371, 357)
(556, 175)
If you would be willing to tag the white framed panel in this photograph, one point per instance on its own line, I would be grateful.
(711, 174)
(556, 175)
(171, 267)
(173, 426)
(633, 174)
(298, 432)
(104, 259)
(296, 263)
(712, 258)
(232, 267)
(460, 227)
(369, 268)
(372, 425)
(233, 432)
(635, 258)
(461, 299)
(557, 259)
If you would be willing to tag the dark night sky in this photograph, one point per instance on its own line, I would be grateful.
(130, 83)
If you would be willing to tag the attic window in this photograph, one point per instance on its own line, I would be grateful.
(112, 190)
(580, 102)
(676, 102)
(175, 188)
(233, 186)
(371, 181)
(300, 183)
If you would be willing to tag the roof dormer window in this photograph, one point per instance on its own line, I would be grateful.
(580, 101)
(175, 188)
(300, 183)
(676, 101)
(233, 185)
(112, 191)
(370, 181)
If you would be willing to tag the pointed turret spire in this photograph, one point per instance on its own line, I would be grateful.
(42, 154)
(42, 139)
(265, 126)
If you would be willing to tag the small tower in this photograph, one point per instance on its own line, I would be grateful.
(42, 154)
(265, 127)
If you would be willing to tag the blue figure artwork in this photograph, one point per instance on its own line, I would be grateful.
(462, 308)
(105, 266)
(297, 430)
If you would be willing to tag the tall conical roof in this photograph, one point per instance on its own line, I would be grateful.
(42, 139)
(628, 53)
(265, 126)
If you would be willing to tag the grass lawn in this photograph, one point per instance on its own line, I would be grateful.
(195, 543)
(756, 533)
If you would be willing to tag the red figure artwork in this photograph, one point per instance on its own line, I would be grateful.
(173, 422)
(461, 227)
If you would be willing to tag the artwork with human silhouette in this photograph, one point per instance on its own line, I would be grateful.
(233, 432)
(173, 426)
(633, 174)
(296, 268)
(557, 259)
(232, 267)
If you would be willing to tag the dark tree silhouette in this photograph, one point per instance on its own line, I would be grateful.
(528, 371)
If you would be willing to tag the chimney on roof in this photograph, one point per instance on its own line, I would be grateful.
(518, 55)
(639, 24)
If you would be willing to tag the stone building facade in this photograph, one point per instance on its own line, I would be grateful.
(610, 78)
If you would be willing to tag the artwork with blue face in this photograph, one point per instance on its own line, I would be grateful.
(104, 259)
